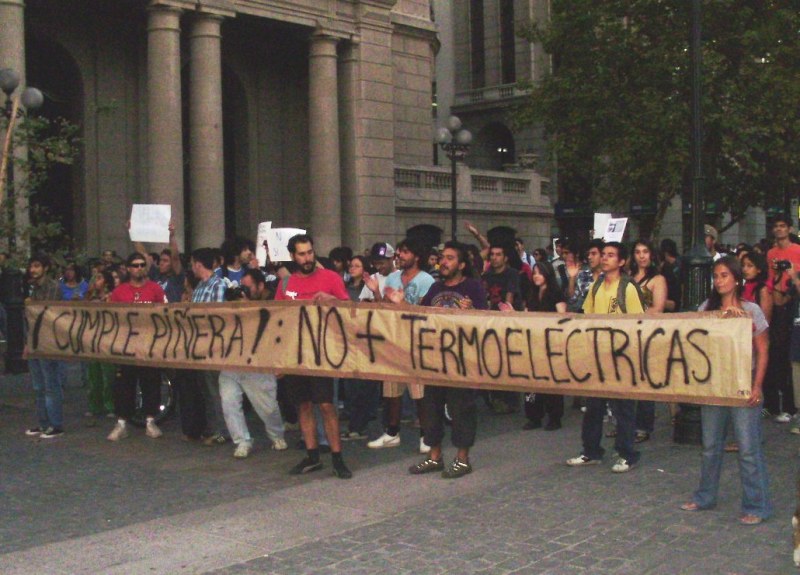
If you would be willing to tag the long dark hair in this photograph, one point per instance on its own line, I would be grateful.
(552, 293)
(364, 264)
(652, 270)
(714, 301)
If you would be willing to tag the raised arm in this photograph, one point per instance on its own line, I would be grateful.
(177, 265)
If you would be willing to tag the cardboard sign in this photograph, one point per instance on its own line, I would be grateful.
(693, 358)
(261, 238)
(278, 240)
(150, 223)
(615, 229)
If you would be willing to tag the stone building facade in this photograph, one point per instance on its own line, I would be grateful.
(232, 111)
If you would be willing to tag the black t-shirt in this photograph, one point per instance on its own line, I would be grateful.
(441, 295)
(498, 285)
(547, 302)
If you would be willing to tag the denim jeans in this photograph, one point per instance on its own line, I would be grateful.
(592, 428)
(752, 467)
(261, 390)
(645, 416)
(215, 419)
(48, 387)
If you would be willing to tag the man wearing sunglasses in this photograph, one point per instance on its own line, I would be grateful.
(138, 289)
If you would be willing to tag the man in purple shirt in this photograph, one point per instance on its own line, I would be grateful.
(456, 288)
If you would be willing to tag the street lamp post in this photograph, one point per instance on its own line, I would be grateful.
(11, 281)
(698, 262)
(31, 99)
(455, 142)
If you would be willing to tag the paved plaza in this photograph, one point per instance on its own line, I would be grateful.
(80, 504)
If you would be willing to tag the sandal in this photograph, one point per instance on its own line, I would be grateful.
(691, 506)
(750, 520)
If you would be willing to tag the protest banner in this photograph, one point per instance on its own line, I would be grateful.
(692, 358)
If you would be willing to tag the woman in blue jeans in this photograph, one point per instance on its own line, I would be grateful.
(746, 421)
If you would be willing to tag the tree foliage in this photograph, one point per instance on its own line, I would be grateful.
(617, 104)
(48, 143)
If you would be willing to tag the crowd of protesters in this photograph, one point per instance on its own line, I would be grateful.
(761, 281)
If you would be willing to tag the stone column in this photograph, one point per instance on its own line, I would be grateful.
(348, 91)
(164, 127)
(206, 175)
(323, 121)
(12, 37)
(12, 55)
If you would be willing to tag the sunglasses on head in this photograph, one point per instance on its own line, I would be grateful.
(137, 265)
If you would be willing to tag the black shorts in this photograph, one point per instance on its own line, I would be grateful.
(305, 388)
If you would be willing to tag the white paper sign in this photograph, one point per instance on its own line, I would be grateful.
(600, 223)
(278, 240)
(261, 237)
(150, 223)
(555, 253)
(615, 229)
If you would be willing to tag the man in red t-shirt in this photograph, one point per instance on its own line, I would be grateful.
(777, 382)
(138, 289)
(319, 285)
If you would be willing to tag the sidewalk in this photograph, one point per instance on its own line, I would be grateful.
(80, 504)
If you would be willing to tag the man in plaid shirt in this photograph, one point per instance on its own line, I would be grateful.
(581, 278)
(210, 289)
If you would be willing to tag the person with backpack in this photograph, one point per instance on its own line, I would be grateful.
(615, 293)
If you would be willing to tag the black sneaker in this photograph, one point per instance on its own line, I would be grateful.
(340, 470)
(34, 431)
(553, 425)
(51, 432)
(306, 466)
(457, 469)
(426, 466)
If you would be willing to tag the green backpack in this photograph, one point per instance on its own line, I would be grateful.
(622, 289)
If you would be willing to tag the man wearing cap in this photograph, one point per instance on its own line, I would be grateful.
(711, 240)
(409, 284)
(382, 257)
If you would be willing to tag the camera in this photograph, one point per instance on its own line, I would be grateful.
(235, 293)
(782, 265)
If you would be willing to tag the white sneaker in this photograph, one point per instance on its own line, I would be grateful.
(783, 418)
(151, 429)
(243, 450)
(120, 431)
(622, 466)
(385, 440)
(582, 460)
(424, 447)
(280, 445)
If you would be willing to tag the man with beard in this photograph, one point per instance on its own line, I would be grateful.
(323, 287)
(455, 289)
(409, 284)
(138, 289)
